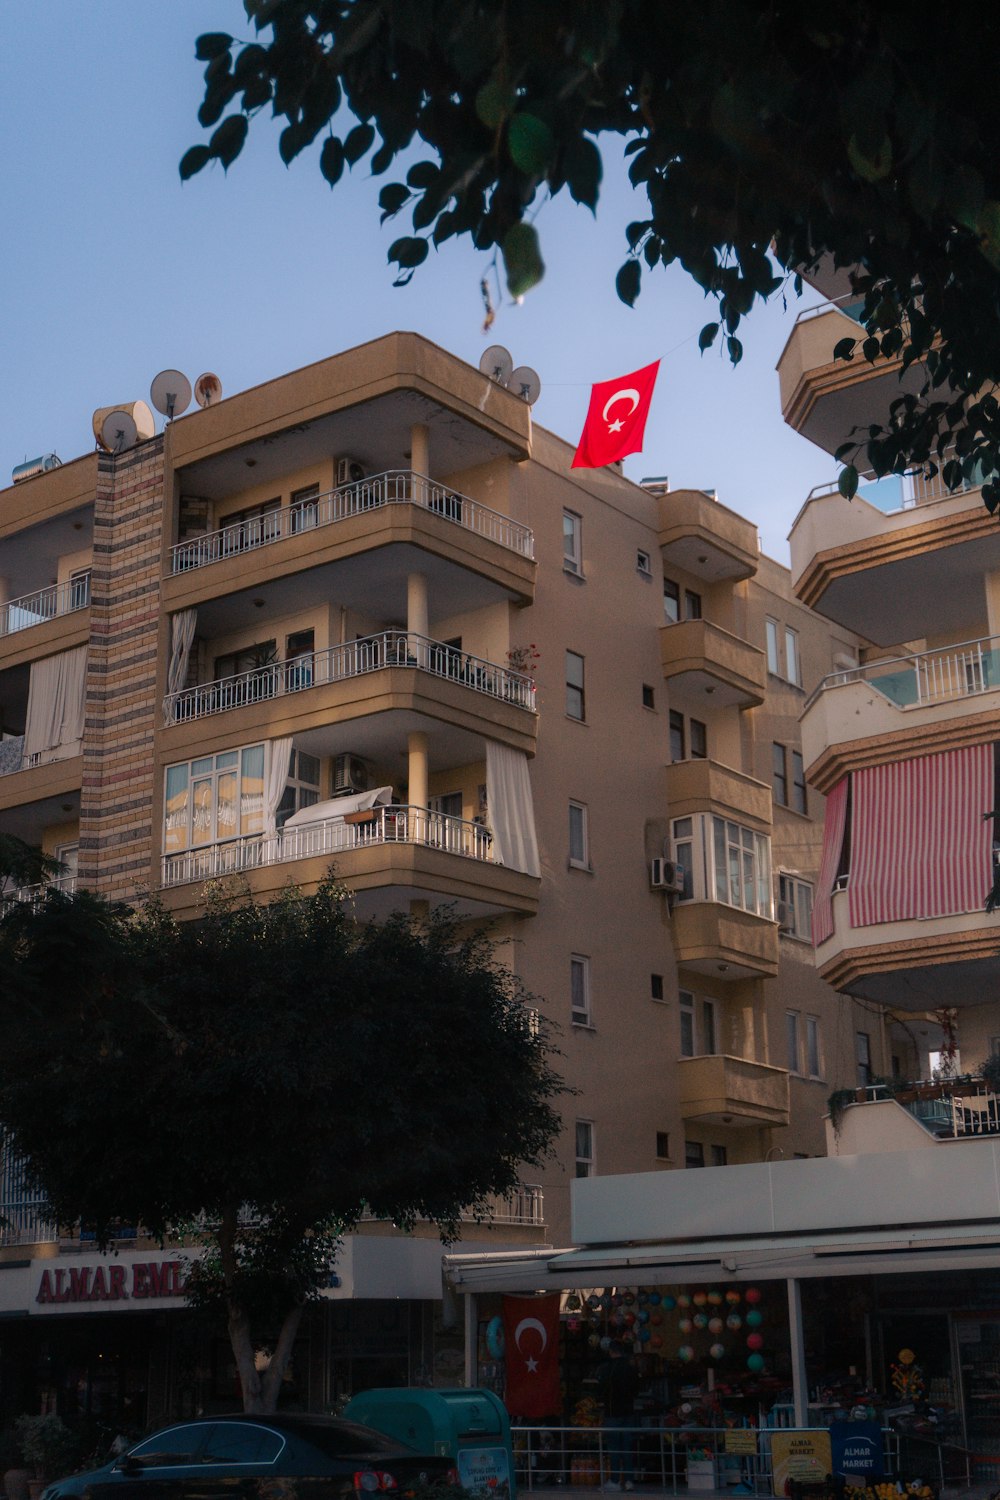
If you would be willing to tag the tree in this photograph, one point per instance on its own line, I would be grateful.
(23, 864)
(261, 1078)
(767, 140)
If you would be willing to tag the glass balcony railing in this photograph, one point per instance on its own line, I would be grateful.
(963, 671)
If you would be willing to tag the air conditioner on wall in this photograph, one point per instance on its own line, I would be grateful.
(666, 875)
(350, 774)
(350, 471)
(786, 917)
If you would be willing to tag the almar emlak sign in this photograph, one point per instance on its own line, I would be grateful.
(119, 1283)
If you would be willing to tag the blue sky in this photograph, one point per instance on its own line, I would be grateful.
(114, 269)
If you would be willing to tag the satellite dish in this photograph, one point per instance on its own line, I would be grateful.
(497, 363)
(524, 382)
(170, 393)
(145, 422)
(118, 431)
(207, 389)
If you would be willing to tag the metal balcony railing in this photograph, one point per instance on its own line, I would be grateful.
(963, 671)
(524, 1207)
(33, 895)
(44, 604)
(901, 491)
(391, 648)
(394, 487)
(402, 824)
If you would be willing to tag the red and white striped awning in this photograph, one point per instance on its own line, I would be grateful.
(833, 839)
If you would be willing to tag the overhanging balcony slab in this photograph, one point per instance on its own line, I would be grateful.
(736, 1091)
(705, 539)
(702, 660)
(695, 786)
(723, 941)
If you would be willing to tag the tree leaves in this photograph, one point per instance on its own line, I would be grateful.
(847, 481)
(212, 44)
(531, 143)
(628, 281)
(522, 257)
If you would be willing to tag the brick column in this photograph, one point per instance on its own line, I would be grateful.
(116, 807)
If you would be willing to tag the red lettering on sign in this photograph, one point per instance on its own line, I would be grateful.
(79, 1283)
(99, 1287)
(159, 1278)
(116, 1277)
(61, 1292)
(139, 1287)
(45, 1288)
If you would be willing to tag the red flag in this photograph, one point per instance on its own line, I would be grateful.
(616, 418)
(531, 1341)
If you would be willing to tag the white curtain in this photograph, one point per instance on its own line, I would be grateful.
(54, 726)
(511, 810)
(182, 627)
(276, 757)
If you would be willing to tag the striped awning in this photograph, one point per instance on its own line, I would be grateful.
(920, 846)
(833, 839)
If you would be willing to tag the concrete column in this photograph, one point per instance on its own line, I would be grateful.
(416, 617)
(4, 590)
(797, 1349)
(417, 795)
(420, 458)
(471, 1330)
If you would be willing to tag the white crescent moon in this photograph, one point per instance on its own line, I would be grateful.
(530, 1323)
(620, 396)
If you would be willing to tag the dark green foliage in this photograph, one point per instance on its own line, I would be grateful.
(23, 864)
(764, 140)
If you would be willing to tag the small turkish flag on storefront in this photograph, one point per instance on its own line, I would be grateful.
(616, 418)
(531, 1342)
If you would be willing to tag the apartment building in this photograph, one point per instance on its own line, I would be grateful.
(366, 615)
(903, 741)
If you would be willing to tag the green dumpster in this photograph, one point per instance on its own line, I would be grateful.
(469, 1426)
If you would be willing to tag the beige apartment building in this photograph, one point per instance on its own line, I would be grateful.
(903, 743)
(366, 615)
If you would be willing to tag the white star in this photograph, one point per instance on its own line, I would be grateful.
(616, 426)
(532, 1365)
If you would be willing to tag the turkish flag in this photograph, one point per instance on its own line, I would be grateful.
(531, 1344)
(616, 418)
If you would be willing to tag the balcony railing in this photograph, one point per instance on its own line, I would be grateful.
(394, 824)
(901, 491)
(44, 604)
(525, 1206)
(952, 1109)
(964, 671)
(394, 487)
(34, 895)
(391, 648)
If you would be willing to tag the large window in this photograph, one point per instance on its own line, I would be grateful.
(302, 787)
(792, 1041)
(679, 604)
(782, 645)
(814, 1056)
(698, 1025)
(575, 701)
(214, 798)
(579, 989)
(585, 1159)
(572, 543)
(795, 907)
(579, 841)
(800, 800)
(779, 776)
(723, 861)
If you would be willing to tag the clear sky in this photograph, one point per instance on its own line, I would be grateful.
(113, 269)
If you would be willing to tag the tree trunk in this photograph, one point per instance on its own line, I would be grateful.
(260, 1387)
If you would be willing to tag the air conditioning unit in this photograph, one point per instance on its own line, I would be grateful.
(350, 774)
(349, 471)
(786, 917)
(666, 875)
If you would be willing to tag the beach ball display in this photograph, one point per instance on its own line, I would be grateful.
(754, 1294)
(699, 1299)
(685, 1325)
(683, 1300)
(594, 1341)
(654, 1299)
(593, 1301)
(656, 1341)
(700, 1320)
(732, 1296)
(628, 1299)
(686, 1354)
(754, 1317)
(644, 1335)
(628, 1319)
(605, 1300)
(714, 1298)
(605, 1343)
(755, 1341)
(715, 1325)
(755, 1363)
(717, 1351)
(656, 1318)
(668, 1302)
(734, 1322)
(643, 1315)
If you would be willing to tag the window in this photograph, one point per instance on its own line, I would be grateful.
(676, 736)
(813, 1060)
(694, 1154)
(451, 804)
(584, 1148)
(719, 1156)
(684, 854)
(251, 526)
(795, 907)
(792, 657)
(863, 1057)
(178, 1445)
(792, 1040)
(663, 1145)
(254, 673)
(699, 739)
(304, 512)
(572, 543)
(575, 701)
(799, 794)
(687, 1023)
(692, 605)
(698, 1026)
(301, 788)
(782, 645)
(68, 856)
(642, 563)
(79, 588)
(299, 648)
(708, 1036)
(579, 989)
(656, 987)
(671, 601)
(722, 861)
(241, 1443)
(579, 841)
(779, 780)
(771, 636)
(214, 798)
(648, 696)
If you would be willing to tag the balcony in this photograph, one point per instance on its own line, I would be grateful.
(700, 658)
(695, 786)
(723, 941)
(913, 1116)
(826, 399)
(44, 604)
(872, 562)
(734, 1091)
(34, 895)
(908, 705)
(705, 539)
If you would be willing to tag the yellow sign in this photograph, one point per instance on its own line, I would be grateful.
(802, 1454)
(741, 1440)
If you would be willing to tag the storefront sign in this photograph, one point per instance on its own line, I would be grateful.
(89, 1285)
(485, 1472)
(802, 1454)
(741, 1440)
(857, 1450)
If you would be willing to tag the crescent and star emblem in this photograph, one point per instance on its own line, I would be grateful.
(526, 1323)
(625, 394)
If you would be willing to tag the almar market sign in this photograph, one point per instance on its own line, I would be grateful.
(116, 1283)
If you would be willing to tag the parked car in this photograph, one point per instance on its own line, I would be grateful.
(287, 1456)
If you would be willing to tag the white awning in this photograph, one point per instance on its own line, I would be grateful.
(338, 807)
